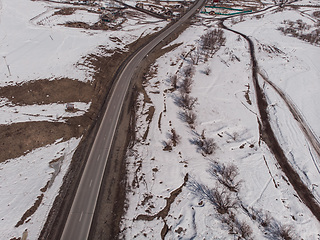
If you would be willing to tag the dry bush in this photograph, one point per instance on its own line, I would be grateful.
(207, 71)
(208, 146)
(175, 138)
(244, 230)
(190, 117)
(195, 55)
(188, 71)
(185, 86)
(187, 102)
(220, 198)
(226, 175)
(286, 232)
(298, 28)
(174, 81)
(273, 229)
(167, 145)
(240, 229)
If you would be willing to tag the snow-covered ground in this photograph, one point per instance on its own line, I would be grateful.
(24, 179)
(55, 112)
(225, 111)
(33, 46)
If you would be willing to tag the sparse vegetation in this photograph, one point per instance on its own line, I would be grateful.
(226, 175)
(298, 29)
(174, 81)
(207, 145)
(220, 198)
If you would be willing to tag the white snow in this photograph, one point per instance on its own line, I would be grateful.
(34, 44)
(225, 115)
(21, 180)
(55, 112)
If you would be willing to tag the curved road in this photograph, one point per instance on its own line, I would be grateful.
(81, 214)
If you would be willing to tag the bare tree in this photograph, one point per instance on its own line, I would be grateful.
(208, 146)
(221, 199)
(244, 230)
(226, 175)
(195, 55)
(212, 41)
(185, 86)
(187, 102)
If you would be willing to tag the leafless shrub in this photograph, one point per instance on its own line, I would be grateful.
(244, 230)
(207, 71)
(185, 86)
(189, 117)
(188, 71)
(221, 199)
(212, 41)
(207, 145)
(298, 29)
(226, 175)
(174, 81)
(286, 233)
(175, 138)
(187, 102)
(195, 55)
(273, 229)
(167, 145)
(241, 229)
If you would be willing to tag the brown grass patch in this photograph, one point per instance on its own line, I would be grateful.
(48, 91)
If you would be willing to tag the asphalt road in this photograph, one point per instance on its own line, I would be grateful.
(81, 214)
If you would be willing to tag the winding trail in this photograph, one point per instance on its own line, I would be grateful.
(268, 136)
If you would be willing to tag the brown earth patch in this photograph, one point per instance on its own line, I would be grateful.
(46, 91)
(20, 138)
(30, 211)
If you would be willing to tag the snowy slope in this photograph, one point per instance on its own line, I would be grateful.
(34, 45)
(226, 111)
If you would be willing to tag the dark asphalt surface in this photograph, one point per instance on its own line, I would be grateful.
(81, 214)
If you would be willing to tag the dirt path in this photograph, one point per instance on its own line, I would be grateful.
(268, 136)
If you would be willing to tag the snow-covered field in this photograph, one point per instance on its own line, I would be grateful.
(173, 194)
(34, 46)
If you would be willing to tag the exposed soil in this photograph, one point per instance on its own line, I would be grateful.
(20, 138)
(30, 211)
(48, 91)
